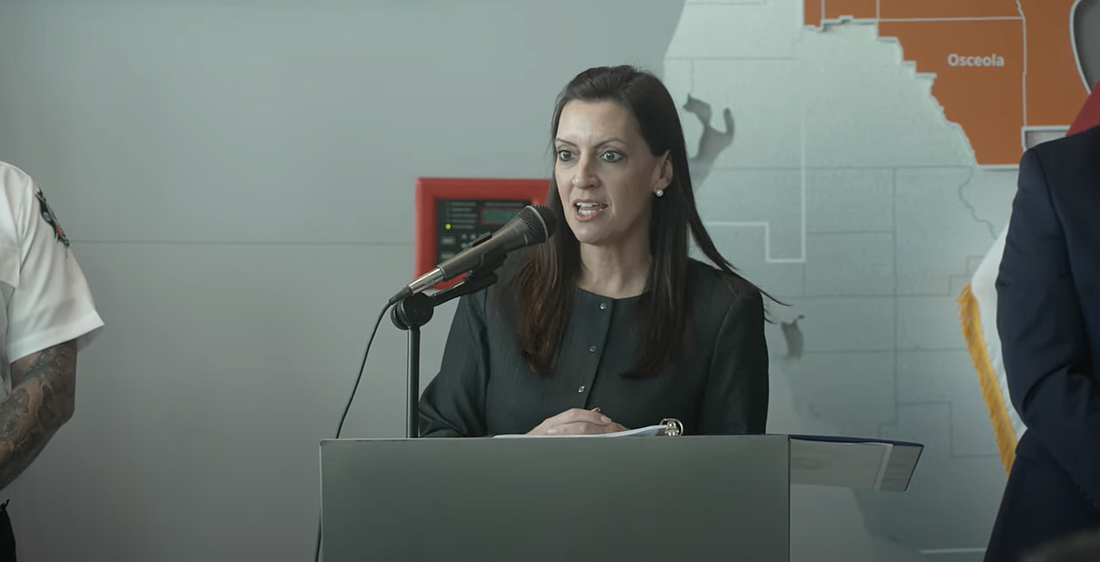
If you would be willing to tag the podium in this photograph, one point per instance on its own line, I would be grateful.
(554, 499)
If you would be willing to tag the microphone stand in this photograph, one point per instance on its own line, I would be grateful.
(413, 312)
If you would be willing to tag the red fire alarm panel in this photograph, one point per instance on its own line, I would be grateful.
(452, 212)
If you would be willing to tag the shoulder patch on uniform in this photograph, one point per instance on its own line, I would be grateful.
(51, 219)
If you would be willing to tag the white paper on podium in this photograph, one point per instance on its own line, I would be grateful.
(853, 463)
(649, 431)
(822, 460)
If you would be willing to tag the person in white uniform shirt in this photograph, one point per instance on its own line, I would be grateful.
(47, 317)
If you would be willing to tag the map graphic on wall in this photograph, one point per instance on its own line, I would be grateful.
(1003, 68)
(861, 162)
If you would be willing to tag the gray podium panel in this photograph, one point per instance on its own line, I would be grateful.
(553, 499)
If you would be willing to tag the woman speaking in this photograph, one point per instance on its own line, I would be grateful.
(609, 325)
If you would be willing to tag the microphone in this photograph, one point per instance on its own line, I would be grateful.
(532, 225)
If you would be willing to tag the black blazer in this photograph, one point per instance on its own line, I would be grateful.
(1048, 317)
(720, 386)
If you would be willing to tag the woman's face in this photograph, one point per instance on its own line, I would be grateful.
(605, 173)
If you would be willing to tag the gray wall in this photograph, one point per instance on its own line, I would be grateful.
(237, 178)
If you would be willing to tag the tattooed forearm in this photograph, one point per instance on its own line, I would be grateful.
(12, 413)
(57, 404)
(41, 401)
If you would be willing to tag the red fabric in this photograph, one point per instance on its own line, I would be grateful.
(1089, 116)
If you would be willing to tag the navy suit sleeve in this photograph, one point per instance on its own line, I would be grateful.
(736, 396)
(1042, 331)
(453, 404)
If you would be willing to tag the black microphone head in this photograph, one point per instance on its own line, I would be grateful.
(539, 220)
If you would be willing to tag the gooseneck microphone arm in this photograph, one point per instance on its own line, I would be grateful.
(437, 275)
(480, 261)
(532, 225)
(416, 310)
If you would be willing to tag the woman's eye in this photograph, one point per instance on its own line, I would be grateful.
(564, 155)
(612, 156)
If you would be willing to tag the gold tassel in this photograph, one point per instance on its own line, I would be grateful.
(971, 321)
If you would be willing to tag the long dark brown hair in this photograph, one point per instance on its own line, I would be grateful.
(545, 280)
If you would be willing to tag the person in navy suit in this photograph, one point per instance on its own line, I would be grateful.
(1048, 316)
